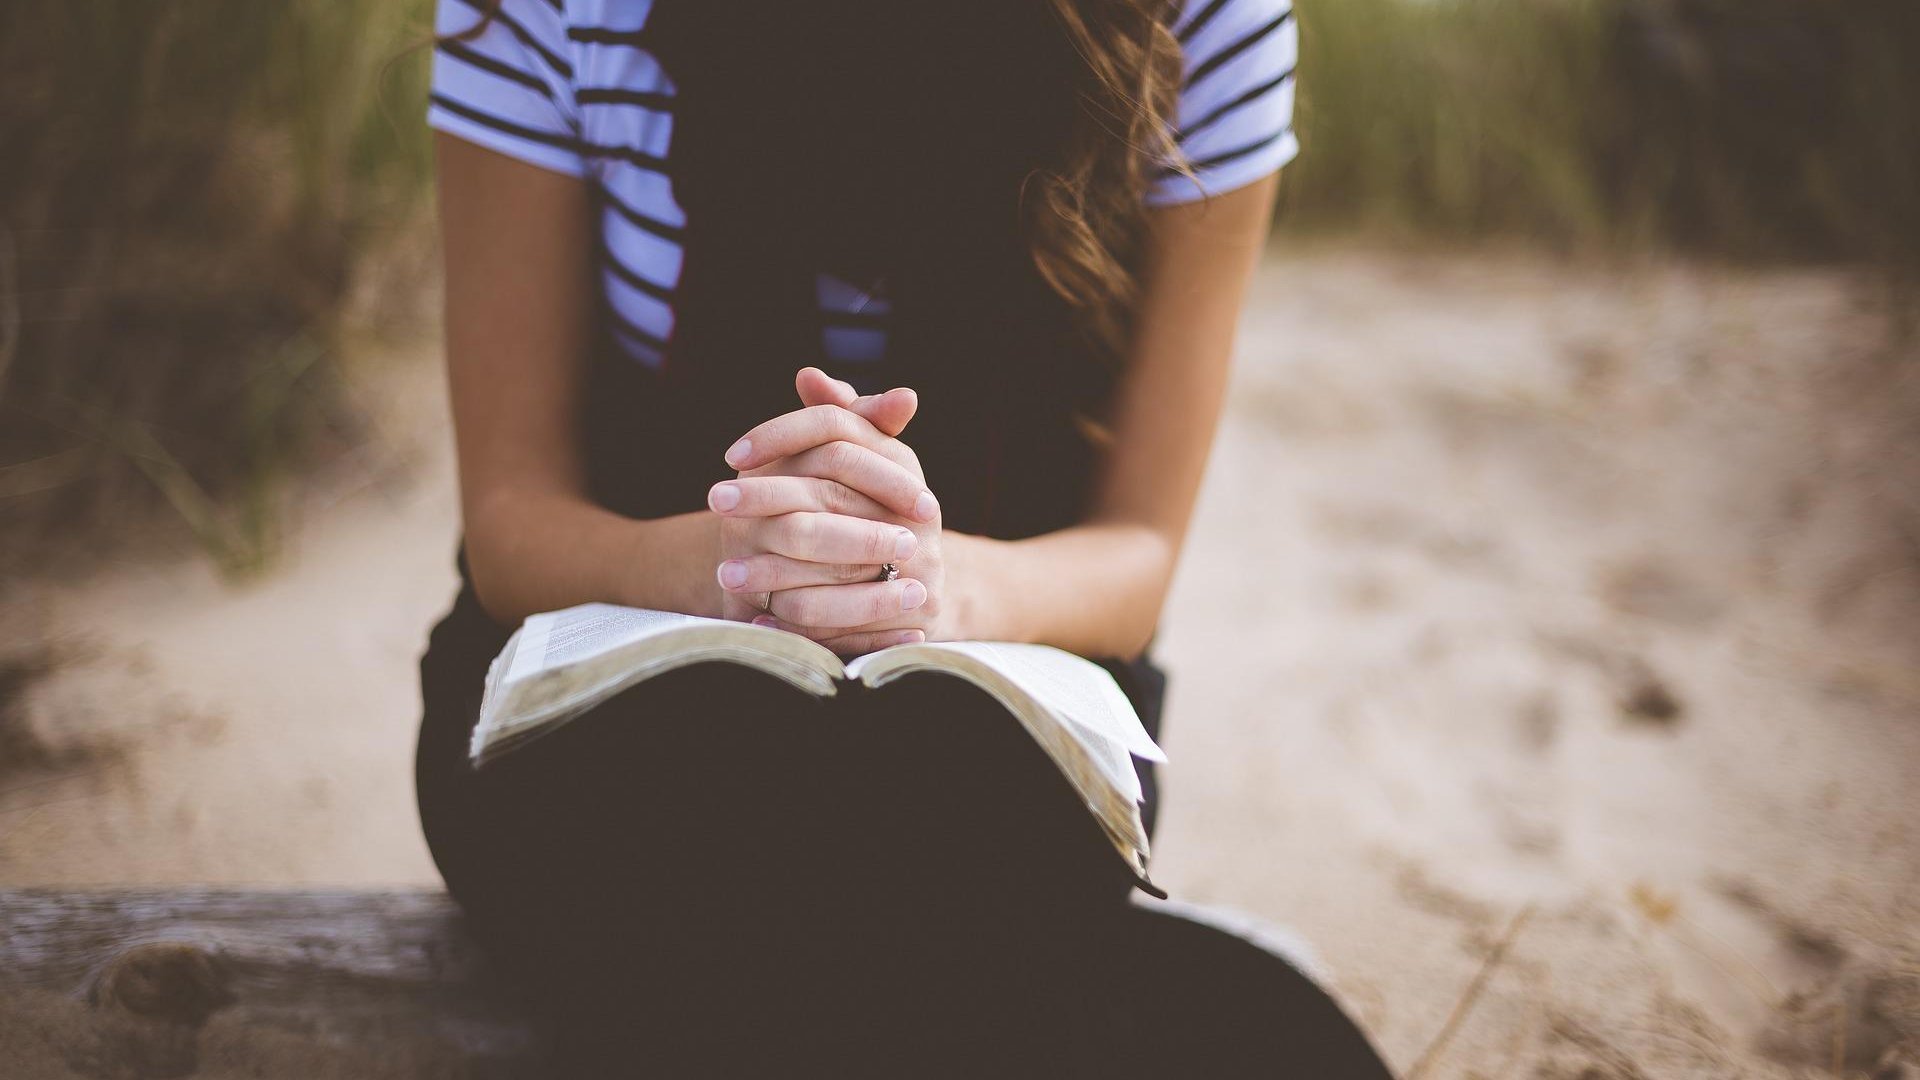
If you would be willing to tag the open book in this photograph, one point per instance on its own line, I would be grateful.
(562, 663)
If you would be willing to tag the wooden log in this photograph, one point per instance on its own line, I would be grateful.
(209, 982)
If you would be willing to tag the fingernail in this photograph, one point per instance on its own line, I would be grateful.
(926, 507)
(723, 498)
(733, 574)
(913, 595)
(763, 620)
(911, 637)
(739, 452)
(903, 546)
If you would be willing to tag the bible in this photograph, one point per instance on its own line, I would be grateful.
(560, 664)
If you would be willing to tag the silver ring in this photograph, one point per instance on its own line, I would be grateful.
(888, 572)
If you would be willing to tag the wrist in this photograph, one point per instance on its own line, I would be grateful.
(668, 564)
(972, 588)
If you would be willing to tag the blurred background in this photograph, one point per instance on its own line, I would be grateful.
(1545, 652)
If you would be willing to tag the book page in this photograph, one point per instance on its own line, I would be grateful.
(1114, 761)
(1074, 687)
(559, 664)
(554, 639)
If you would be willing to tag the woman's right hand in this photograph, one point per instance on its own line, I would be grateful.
(815, 527)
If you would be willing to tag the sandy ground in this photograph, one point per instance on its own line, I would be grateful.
(1545, 654)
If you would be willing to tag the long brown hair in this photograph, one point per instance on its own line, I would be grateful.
(1085, 217)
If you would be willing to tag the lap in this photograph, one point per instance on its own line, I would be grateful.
(720, 791)
(714, 869)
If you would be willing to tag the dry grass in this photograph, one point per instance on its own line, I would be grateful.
(1750, 128)
(187, 196)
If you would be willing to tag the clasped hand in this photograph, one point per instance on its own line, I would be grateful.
(826, 496)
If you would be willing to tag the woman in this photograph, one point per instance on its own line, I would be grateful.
(1041, 215)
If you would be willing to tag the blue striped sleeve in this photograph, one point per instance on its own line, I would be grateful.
(508, 87)
(1235, 122)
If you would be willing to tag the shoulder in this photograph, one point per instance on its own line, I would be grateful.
(503, 79)
(1216, 34)
(1235, 118)
(1197, 17)
(604, 14)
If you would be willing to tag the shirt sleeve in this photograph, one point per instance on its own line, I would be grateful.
(1235, 122)
(508, 87)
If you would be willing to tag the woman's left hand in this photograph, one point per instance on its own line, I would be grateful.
(804, 443)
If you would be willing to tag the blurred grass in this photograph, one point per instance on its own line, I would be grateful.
(191, 195)
(1746, 129)
(198, 200)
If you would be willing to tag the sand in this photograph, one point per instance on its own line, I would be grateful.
(1564, 616)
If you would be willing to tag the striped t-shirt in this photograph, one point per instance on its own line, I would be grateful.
(560, 84)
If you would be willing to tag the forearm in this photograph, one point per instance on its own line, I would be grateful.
(533, 551)
(1093, 589)
(1097, 589)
